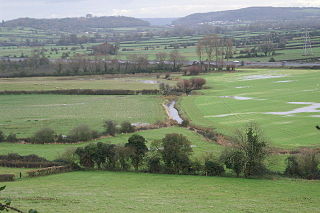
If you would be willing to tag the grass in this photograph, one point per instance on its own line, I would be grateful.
(81, 82)
(25, 114)
(295, 130)
(99, 191)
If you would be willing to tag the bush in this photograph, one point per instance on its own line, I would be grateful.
(6, 177)
(12, 138)
(233, 159)
(197, 83)
(138, 145)
(213, 168)
(154, 164)
(110, 127)
(304, 165)
(185, 123)
(81, 133)
(2, 136)
(45, 135)
(126, 127)
(272, 60)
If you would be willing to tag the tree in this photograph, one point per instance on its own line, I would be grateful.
(176, 60)
(87, 155)
(233, 159)
(138, 145)
(200, 52)
(176, 153)
(253, 145)
(110, 127)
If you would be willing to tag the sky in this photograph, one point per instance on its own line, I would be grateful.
(11, 9)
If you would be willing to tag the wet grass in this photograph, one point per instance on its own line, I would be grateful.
(25, 114)
(269, 95)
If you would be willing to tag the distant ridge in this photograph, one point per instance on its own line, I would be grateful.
(252, 14)
(159, 21)
(77, 24)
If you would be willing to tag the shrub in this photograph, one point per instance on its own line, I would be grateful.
(81, 133)
(110, 127)
(154, 164)
(304, 165)
(197, 83)
(6, 177)
(45, 135)
(233, 159)
(2, 136)
(213, 168)
(12, 138)
(185, 123)
(126, 127)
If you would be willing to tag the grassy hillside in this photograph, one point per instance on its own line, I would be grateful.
(98, 191)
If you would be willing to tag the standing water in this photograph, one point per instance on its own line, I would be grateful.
(173, 112)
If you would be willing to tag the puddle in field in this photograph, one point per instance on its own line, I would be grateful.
(139, 124)
(50, 105)
(315, 116)
(313, 107)
(286, 81)
(149, 82)
(241, 98)
(258, 77)
(230, 114)
(242, 87)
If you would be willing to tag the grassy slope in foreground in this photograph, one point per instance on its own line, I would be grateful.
(98, 191)
(25, 114)
(269, 95)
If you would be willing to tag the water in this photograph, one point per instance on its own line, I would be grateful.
(313, 107)
(173, 112)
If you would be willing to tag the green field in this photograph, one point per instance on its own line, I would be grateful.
(137, 192)
(82, 82)
(52, 151)
(262, 96)
(25, 114)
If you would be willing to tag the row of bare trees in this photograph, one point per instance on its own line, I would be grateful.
(214, 48)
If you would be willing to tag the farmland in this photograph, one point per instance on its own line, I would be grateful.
(105, 82)
(137, 192)
(257, 95)
(25, 114)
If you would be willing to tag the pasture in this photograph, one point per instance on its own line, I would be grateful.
(284, 103)
(101, 191)
(106, 82)
(25, 114)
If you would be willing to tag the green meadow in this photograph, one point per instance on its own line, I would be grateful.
(108, 82)
(264, 97)
(25, 114)
(101, 191)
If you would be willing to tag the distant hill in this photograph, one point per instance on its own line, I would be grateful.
(159, 21)
(252, 14)
(77, 24)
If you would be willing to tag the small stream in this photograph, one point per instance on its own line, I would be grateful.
(173, 112)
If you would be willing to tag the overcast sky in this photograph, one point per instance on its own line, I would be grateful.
(10, 9)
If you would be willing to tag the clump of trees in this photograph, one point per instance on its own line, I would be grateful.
(182, 86)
